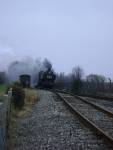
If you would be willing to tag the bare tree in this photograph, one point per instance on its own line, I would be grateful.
(77, 74)
(110, 84)
(95, 83)
(60, 80)
(3, 78)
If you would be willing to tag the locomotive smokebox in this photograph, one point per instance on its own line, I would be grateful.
(25, 80)
(46, 79)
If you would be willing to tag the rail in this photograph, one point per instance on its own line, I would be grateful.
(99, 107)
(86, 120)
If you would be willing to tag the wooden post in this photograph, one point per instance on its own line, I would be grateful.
(5, 109)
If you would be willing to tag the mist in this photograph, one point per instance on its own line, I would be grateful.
(28, 66)
(66, 32)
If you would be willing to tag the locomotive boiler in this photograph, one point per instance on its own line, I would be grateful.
(46, 79)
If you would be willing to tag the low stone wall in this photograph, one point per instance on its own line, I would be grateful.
(5, 108)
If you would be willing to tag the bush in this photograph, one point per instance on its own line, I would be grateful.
(18, 95)
(2, 89)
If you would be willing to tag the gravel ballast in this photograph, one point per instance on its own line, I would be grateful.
(51, 126)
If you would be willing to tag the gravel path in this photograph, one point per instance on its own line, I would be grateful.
(52, 127)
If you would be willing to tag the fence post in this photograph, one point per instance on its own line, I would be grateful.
(5, 109)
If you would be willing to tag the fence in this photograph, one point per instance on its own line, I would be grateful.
(5, 108)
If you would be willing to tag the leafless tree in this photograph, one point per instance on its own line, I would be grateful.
(3, 78)
(77, 75)
(95, 83)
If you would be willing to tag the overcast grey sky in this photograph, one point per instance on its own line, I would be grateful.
(68, 32)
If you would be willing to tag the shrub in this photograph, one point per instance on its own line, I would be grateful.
(18, 95)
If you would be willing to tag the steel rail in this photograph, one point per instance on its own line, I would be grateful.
(90, 123)
(99, 107)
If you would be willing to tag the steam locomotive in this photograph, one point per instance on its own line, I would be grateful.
(46, 79)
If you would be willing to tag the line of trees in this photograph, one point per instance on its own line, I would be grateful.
(75, 81)
(91, 84)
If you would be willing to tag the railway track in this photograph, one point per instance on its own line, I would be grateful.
(102, 102)
(97, 117)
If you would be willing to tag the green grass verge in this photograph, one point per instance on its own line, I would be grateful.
(2, 89)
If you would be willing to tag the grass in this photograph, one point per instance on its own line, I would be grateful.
(31, 97)
(2, 89)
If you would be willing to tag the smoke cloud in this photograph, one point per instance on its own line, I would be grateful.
(27, 66)
(6, 56)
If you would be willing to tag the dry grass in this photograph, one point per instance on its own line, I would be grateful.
(31, 97)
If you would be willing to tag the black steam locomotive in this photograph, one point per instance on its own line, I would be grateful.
(46, 79)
